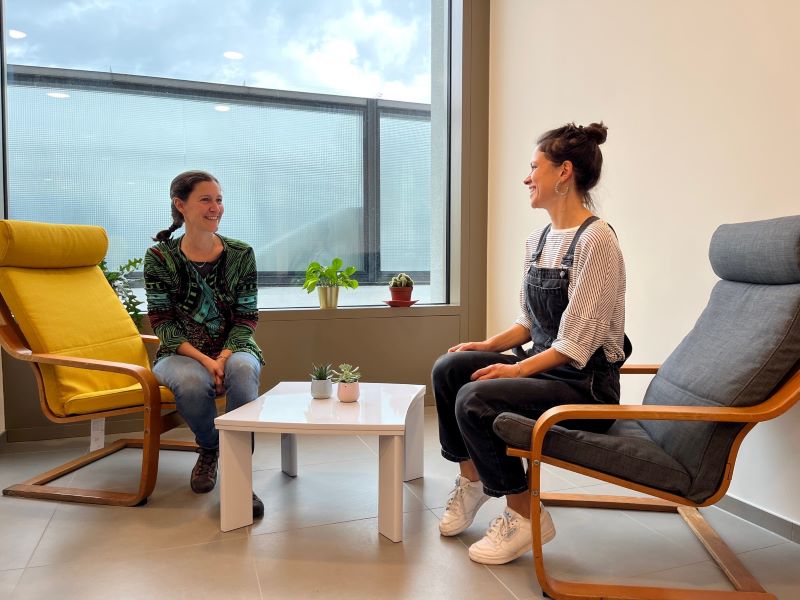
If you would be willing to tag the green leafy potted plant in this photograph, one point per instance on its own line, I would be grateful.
(401, 287)
(321, 385)
(327, 280)
(120, 283)
(346, 379)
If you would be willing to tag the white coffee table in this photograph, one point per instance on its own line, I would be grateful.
(394, 412)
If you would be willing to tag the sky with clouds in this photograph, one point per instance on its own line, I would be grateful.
(365, 48)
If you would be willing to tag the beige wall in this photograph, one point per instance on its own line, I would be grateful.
(2, 406)
(701, 100)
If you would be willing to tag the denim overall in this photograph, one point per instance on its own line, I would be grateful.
(467, 409)
(546, 296)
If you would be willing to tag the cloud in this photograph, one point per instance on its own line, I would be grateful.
(357, 54)
(364, 48)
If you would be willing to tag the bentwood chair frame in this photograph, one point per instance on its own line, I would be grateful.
(155, 423)
(737, 367)
(746, 586)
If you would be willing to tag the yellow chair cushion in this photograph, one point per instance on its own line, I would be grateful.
(43, 245)
(71, 311)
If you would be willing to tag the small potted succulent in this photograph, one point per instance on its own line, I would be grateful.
(400, 287)
(346, 379)
(328, 279)
(321, 385)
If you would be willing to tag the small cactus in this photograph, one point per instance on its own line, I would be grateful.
(401, 280)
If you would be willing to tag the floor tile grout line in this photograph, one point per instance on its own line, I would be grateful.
(143, 552)
(36, 547)
(778, 543)
(752, 524)
(258, 579)
(501, 582)
(709, 561)
(363, 441)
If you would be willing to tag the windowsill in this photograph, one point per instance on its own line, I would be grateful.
(293, 303)
(360, 312)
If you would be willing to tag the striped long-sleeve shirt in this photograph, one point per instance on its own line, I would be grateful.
(212, 313)
(595, 315)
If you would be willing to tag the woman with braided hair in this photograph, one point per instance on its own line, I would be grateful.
(201, 300)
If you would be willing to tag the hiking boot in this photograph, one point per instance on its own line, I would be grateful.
(204, 474)
(462, 505)
(258, 507)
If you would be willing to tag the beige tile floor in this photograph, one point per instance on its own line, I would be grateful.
(319, 536)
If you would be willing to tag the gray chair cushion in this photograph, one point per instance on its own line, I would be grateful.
(744, 343)
(758, 252)
(625, 451)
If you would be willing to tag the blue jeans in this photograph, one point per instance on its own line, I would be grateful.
(193, 388)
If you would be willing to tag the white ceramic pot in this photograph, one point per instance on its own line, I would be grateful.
(347, 392)
(321, 388)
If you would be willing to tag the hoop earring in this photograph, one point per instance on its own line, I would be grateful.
(559, 192)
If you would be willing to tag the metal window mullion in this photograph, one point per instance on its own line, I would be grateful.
(3, 113)
(372, 192)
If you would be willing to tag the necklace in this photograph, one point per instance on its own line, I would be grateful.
(199, 265)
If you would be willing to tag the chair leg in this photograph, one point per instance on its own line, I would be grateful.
(150, 444)
(747, 587)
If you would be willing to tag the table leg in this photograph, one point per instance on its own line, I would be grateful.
(390, 487)
(289, 454)
(415, 439)
(236, 473)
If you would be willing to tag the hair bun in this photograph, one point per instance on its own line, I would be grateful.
(597, 132)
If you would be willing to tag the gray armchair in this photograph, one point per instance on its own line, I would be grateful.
(738, 366)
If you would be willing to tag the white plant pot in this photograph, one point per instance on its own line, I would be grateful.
(321, 388)
(347, 392)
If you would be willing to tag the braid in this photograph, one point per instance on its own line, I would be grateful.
(165, 234)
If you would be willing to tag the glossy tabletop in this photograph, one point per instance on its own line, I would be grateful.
(289, 408)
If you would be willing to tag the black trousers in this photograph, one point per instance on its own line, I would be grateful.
(467, 409)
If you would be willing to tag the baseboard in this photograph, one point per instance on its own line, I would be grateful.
(68, 430)
(775, 524)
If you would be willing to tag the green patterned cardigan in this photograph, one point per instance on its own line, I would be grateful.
(213, 313)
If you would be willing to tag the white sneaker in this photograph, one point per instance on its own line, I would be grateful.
(462, 505)
(509, 537)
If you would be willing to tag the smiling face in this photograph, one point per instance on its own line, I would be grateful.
(203, 209)
(542, 180)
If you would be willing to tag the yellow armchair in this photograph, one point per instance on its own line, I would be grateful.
(58, 313)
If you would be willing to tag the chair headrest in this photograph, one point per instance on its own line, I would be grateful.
(48, 246)
(766, 252)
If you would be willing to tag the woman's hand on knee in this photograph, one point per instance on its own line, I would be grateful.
(216, 369)
(496, 371)
(464, 346)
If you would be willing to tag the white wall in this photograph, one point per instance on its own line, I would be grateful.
(702, 101)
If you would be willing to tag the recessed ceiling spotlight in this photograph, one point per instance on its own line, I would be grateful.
(17, 34)
(222, 108)
(59, 95)
(233, 55)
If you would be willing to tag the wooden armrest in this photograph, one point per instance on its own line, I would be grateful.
(775, 405)
(639, 369)
(149, 339)
(142, 375)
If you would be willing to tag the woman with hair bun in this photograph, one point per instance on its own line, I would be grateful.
(572, 302)
(201, 299)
